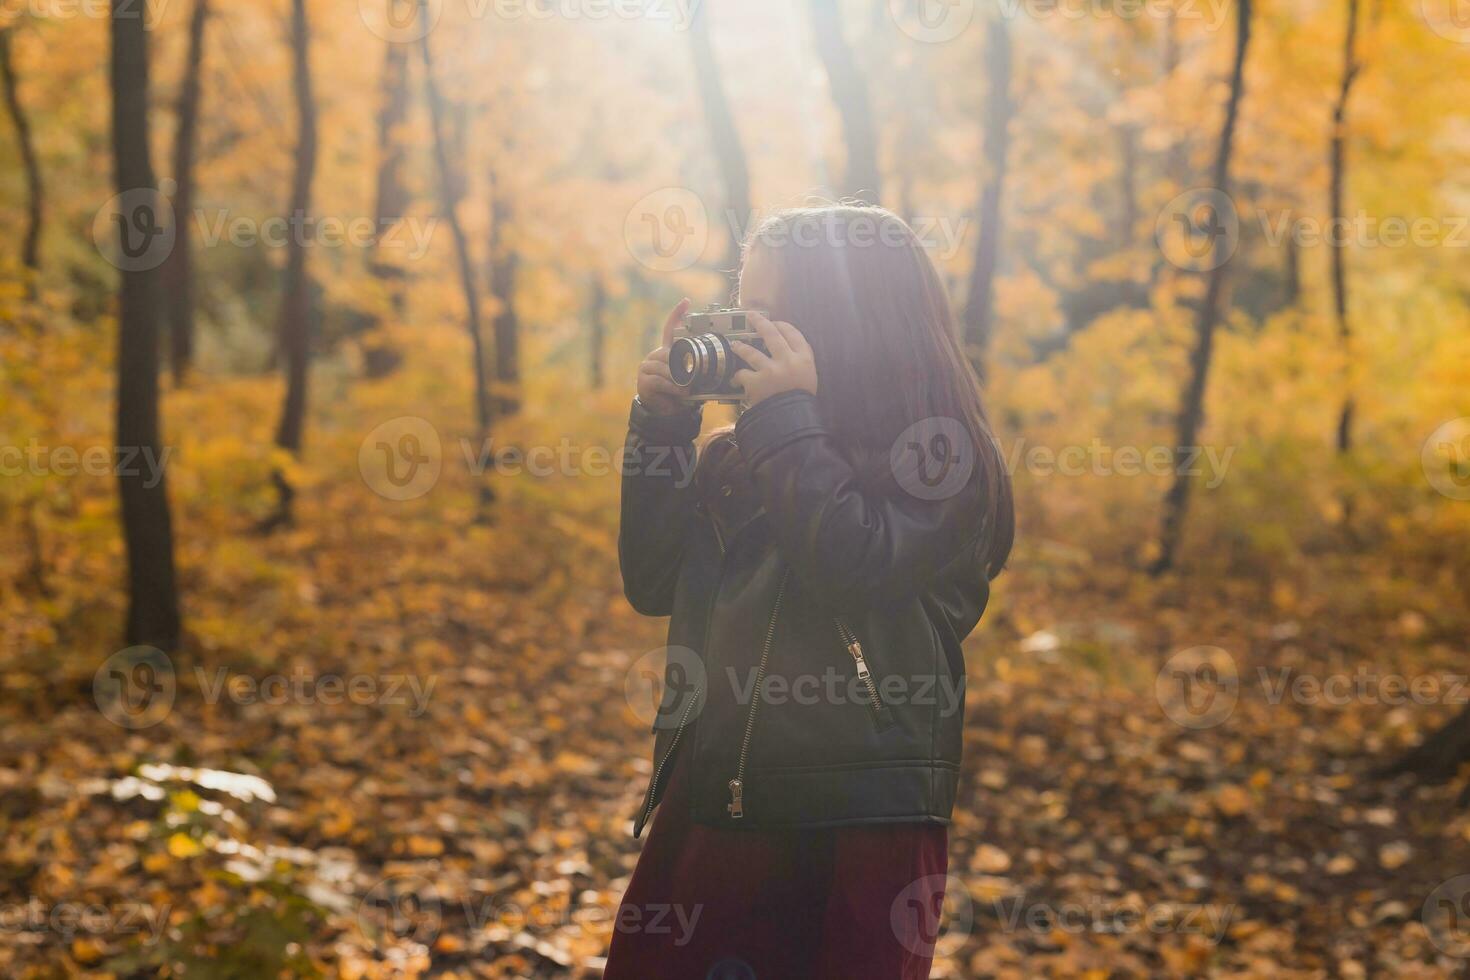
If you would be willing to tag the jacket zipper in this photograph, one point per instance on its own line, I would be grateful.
(850, 640)
(674, 744)
(736, 805)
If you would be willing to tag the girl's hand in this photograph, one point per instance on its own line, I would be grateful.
(656, 388)
(788, 367)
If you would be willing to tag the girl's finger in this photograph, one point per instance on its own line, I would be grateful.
(656, 369)
(676, 315)
(775, 343)
(793, 337)
(751, 355)
(663, 386)
(743, 379)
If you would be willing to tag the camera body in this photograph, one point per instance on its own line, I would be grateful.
(700, 358)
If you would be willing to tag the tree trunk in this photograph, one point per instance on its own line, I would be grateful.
(296, 307)
(1176, 165)
(1293, 289)
(724, 137)
(448, 202)
(1337, 162)
(153, 608)
(180, 266)
(390, 199)
(862, 179)
(506, 327)
(1192, 406)
(597, 343)
(1127, 184)
(980, 305)
(30, 252)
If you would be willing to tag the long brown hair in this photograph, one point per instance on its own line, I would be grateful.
(858, 284)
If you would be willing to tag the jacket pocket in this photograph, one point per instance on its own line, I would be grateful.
(882, 716)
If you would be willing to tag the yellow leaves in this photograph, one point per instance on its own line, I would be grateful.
(990, 860)
(340, 821)
(1395, 855)
(420, 845)
(87, 950)
(181, 845)
(1188, 959)
(990, 888)
(1231, 800)
(487, 853)
(186, 801)
(574, 764)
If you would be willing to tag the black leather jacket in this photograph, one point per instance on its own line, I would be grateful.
(815, 675)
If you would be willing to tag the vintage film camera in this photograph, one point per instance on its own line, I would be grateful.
(700, 358)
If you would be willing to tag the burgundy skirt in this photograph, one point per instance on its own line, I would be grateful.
(845, 902)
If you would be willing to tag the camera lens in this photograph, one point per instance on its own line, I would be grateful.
(698, 363)
(684, 360)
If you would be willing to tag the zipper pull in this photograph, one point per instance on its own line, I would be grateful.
(736, 806)
(856, 649)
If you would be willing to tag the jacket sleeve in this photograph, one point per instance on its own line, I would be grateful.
(657, 505)
(845, 543)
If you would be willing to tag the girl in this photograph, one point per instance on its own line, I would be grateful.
(822, 565)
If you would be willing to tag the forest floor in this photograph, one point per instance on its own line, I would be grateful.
(467, 811)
